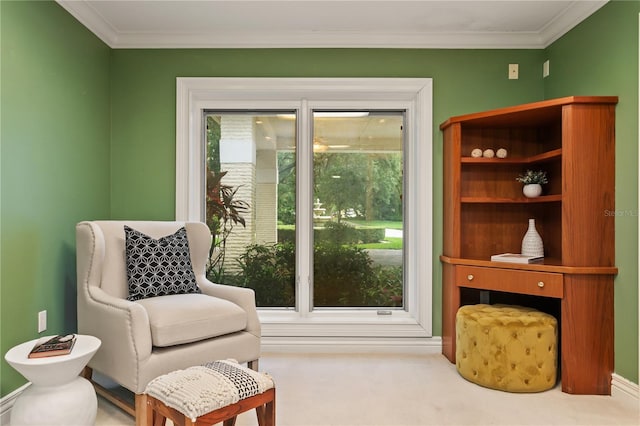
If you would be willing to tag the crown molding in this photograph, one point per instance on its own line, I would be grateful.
(439, 40)
(90, 18)
(575, 13)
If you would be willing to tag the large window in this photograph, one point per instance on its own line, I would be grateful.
(357, 212)
(332, 182)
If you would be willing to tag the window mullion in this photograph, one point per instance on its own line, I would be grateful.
(304, 217)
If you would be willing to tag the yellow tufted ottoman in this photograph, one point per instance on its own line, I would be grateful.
(510, 348)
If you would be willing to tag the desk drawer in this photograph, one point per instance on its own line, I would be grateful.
(512, 281)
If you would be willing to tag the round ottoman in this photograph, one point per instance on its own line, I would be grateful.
(504, 347)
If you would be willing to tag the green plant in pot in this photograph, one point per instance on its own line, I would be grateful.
(533, 181)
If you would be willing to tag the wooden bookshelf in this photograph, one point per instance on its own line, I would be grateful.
(485, 213)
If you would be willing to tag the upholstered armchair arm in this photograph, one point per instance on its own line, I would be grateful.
(123, 327)
(243, 297)
(101, 313)
(127, 320)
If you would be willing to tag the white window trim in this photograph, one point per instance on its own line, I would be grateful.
(194, 94)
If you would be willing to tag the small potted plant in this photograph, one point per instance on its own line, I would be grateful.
(533, 181)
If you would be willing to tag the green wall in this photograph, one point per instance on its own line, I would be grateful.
(143, 103)
(55, 165)
(89, 132)
(144, 87)
(600, 57)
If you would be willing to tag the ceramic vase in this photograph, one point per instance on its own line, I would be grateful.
(532, 190)
(532, 242)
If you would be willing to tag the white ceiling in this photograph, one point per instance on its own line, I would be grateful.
(517, 24)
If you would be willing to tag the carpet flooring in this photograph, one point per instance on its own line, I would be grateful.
(407, 390)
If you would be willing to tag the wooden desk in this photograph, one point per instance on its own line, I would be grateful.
(586, 306)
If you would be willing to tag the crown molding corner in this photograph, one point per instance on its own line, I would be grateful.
(87, 16)
(576, 12)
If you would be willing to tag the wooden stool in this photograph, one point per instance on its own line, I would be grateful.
(209, 394)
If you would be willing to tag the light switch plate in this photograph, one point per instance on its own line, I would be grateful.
(42, 321)
(545, 69)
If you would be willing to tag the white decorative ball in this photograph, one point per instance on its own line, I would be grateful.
(501, 153)
(476, 153)
(488, 153)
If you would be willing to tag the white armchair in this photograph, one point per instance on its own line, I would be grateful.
(146, 338)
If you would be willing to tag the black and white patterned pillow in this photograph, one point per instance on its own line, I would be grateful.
(158, 267)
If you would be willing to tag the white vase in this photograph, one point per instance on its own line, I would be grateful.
(532, 242)
(532, 190)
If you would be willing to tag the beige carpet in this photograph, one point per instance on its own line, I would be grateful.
(403, 390)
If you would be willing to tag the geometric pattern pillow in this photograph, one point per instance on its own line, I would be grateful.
(158, 267)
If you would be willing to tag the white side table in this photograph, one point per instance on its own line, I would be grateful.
(57, 395)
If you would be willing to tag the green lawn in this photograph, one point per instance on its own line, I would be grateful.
(361, 223)
(389, 243)
(389, 224)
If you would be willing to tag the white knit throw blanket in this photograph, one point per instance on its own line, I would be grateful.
(199, 390)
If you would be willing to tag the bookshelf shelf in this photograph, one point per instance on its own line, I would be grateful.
(519, 200)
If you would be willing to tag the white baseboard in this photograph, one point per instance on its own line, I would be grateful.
(351, 345)
(621, 387)
(7, 402)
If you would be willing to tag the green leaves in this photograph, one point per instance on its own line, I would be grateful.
(530, 176)
(223, 212)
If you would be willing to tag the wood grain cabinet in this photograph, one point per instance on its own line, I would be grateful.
(485, 213)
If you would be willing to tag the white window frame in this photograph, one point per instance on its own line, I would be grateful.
(413, 95)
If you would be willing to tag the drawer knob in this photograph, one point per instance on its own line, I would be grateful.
(470, 277)
(541, 284)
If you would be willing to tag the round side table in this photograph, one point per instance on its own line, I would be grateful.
(57, 395)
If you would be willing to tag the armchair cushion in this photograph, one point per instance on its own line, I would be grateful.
(158, 267)
(184, 318)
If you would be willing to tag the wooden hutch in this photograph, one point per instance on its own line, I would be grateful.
(485, 213)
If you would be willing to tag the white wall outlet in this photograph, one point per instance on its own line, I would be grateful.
(42, 321)
(545, 69)
(513, 71)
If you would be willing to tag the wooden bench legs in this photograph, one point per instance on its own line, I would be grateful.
(117, 400)
(157, 412)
